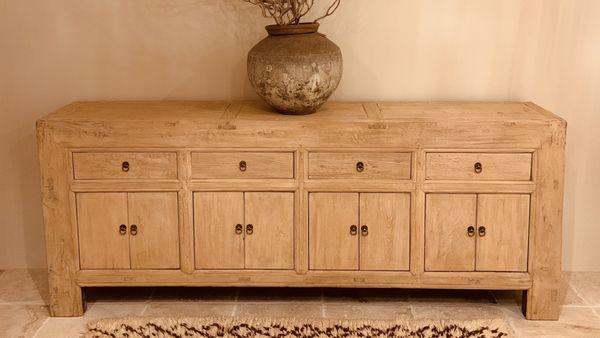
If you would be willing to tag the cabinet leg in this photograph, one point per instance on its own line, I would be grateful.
(542, 303)
(66, 300)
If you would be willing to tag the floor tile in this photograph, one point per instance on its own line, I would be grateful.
(332, 295)
(587, 286)
(75, 326)
(468, 312)
(451, 296)
(24, 286)
(280, 294)
(280, 310)
(190, 309)
(185, 294)
(573, 322)
(21, 320)
(372, 311)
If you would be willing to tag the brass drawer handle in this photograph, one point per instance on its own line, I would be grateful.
(482, 231)
(353, 230)
(123, 229)
(478, 168)
(364, 230)
(239, 229)
(249, 229)
(243, 166)
(471, 231)
(134, 230)
(360, 167)
(125, 166)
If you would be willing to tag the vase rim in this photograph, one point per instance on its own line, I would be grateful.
(301, 28)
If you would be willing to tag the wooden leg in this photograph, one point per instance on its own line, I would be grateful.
(66, 299)
(542, 303)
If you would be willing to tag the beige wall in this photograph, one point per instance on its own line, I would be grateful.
(54, 52)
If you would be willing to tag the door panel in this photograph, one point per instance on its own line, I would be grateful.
(387, 244)
(217, 245)
(101, 245)
(506, 222)
(448, 246)
(271, 244)
(331, 246)
(156, 243)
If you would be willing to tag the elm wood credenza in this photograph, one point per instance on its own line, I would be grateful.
(464, 195)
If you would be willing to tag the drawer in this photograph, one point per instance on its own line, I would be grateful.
(104, 166)
(332, 165)
(479, 166)
(240, 165)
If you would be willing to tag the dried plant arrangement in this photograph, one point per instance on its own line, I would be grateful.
(291, 12)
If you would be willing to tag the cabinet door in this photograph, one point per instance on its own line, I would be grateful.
(155, 244)
(101, 244)
(217, 244)
(448, 245)
(331, 245)
(505, 218)
(386, 244)
(271, 243)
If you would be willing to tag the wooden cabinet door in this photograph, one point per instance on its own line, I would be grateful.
(505, 218)
(331, 246)
(101, 244)
(217, 244)
(270, 245)
(155, 244)
(386, 244)
(448, 246)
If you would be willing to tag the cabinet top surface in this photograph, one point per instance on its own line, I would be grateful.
(252, 111)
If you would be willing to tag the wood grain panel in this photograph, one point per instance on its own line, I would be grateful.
(209, 165)
(156, 244)
(99, 216)
(271, 245)
(495, 167)
(447, 244)
(377, 165)
(100, 166)
(331, 246)
(506, 222)
(387, 244)
(217, 245)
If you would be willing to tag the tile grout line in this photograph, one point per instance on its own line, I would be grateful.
(41, 326)
(579, 294)
(323, 313)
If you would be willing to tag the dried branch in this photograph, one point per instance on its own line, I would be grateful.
(290, 12)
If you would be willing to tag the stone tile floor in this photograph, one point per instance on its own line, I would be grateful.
(23, 310)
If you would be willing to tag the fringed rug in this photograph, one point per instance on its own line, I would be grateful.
(238, 327)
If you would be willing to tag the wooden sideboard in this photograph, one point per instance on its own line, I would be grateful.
(464, 195)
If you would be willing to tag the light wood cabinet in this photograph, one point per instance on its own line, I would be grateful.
(464, 195)
(237, 230)
(477, 232)
(128, 230)
(366, 231)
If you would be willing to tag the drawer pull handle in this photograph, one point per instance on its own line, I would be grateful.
(125, 166)
(353, 230)
(478, 168)
(364, 230)
(239, 229)
(249, 229)
(360, 167)
(482, 231)
(134, 230)
(243, 166)
(123, 229)
(471, 231)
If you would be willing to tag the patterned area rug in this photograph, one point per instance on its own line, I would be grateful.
(237, 327)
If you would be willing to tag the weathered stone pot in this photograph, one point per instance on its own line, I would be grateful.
(295, 69)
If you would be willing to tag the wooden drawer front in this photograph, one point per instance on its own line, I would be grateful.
(100, 166)
(242, 165)
(329, 165)
(478, 166)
